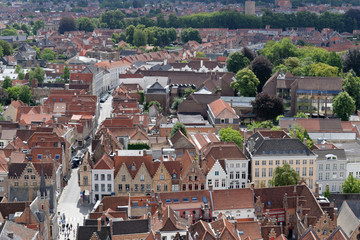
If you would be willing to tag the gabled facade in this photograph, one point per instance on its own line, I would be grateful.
(221, 115)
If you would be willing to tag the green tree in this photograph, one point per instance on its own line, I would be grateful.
(351, 185)
(334, 60)
(157, 104)
(25, 94)
(323, 70)
(200, 55)
(140, 37)
(190, 34)
(301, 115)
(67, 24)
(285, 176)
(351, 85)
(351, 60)
(176, 103)
(231, 135)
(246, 83)
(13, 93)
(188, 91)
(292, 62)
(130, 34)
(38, 73)
(266, 107)
(248, 53)
(85, 24)
(236, 61)
(276, 52)
(301, 133)
(48, 54)
(66, 74)
(262, 124)
(9, 32)
(7, 83)
(7, 49)
(344, 106)
(37, 25)
(178, 127)
(172, 35)
(18, 69)
(262, 68)
(112, 19)
(21, 75)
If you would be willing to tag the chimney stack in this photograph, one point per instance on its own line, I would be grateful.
(335, 216)
(99, 224)
(305, 141)
(316, 190)
(251, 148)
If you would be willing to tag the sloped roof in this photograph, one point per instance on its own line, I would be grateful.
(105, 162)
(224, 199)
(130, 227)
(220, 106)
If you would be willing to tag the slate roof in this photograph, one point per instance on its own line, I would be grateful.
(340, 153)
(131, 227)
(16, 169)
(85, 232)
(19, 231)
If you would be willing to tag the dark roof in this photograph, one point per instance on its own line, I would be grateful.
(339, 198)
(340, 153)
(16, 169)
(85, 232)
(12, 207)
(355, 207)
(131, 227)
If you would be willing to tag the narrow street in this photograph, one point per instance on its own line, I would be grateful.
(69, 202)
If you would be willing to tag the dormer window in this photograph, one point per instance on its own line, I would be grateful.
(174, 176)
(133, 167)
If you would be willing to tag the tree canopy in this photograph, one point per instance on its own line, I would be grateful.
(266, 107)
(351, 185)
(38, 73)
(262, 68)
(236, 61)
(190, 34)
(344, 106)
(86, 24)
(178, 127)
(301, 133)
(67, 24)
(285, 176)
(351, 85)
(351, 60)
(246, 83)
(231, 135)
(7, 82)
(48, 54)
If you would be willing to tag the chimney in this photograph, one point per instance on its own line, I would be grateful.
(160, 210)
(251, 148)
(231, 103)
(316, 190)
(210, 188)
(305, 141)
(99, 224)
(201, 63)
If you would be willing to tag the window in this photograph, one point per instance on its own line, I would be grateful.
(39, 156)
(320, 167)
(271, 162)
(57, 156)
(341, 174)
(26, 176)
(342, 166)
(142, 187)
(34, 183)
(223, 182)
(237, 185)
(158, 187)
(311, 171)
(120, 187)
(165, 187)
(231, 185)
(327, 166)
(85, 180)
(142, 178)
(123, 178)
(333, 188)
(335, 167)
(263, 162)
(1, 189)
(136, 187)
(148, 187)
(29, 170)
(85, 168)
(297, 162)
(243, 175)
(304, 161)
(243, 165)
(96, 187)
(304, 171)
(237, 175)
(231, 165)
(298, 171)
(33, 177)
(311, 161)
(256, 163)
(103, 187)
(1, 179)
(16, 183)
(238, 165)
(216, 182)
(291, 162)
(102, 177)
(320, 176)
(127, 187)
(270, 172)
(231, 175)
(310, 183)
(263, 172)
(109, 177)
(216, 173)
(283, 162)
(109, 187)
(334, 174)
(162, 177)
(209, 182)
(256, 172)
(96, 177)
(327, 176)
(25, 183)
(190, 178)
(277, 162)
